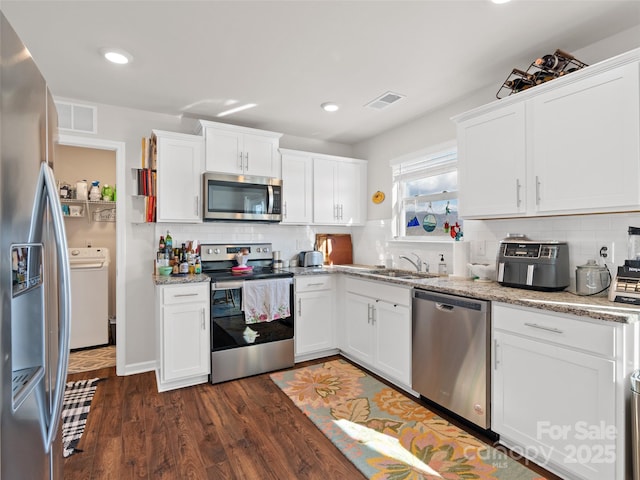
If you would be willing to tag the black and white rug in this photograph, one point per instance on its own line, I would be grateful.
(75, 410)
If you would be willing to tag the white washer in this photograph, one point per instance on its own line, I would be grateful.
(89, 296)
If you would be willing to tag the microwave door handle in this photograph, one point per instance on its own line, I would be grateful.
(270, 202)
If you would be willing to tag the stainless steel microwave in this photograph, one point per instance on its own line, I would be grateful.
(241, 198)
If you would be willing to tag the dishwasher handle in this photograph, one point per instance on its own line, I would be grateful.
(443, 307)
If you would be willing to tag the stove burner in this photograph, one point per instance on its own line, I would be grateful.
(219, 259)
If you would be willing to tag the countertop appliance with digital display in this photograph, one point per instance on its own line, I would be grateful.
(532, 264)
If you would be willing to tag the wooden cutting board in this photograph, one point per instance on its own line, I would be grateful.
(336, 247)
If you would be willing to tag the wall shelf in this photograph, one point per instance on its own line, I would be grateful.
(93, 211)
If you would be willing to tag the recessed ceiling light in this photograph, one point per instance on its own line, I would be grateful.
(116, 55)
(236, 109)
(330, 107)
(499, 2)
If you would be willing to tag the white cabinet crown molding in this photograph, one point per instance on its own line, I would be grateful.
(203, 124)
(595, 69)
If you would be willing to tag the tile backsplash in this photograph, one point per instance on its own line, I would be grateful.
(585, 235)
(374, 245)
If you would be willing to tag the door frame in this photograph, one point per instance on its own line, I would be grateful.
(119, 149)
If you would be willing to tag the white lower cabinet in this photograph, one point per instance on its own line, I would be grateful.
(560, 391)
(182, 316)
(377, 328)
(314, 317)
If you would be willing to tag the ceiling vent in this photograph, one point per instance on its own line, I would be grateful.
(73, 117)
(384, 100)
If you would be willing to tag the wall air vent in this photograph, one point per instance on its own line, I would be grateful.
(384, 100)
(73, 117)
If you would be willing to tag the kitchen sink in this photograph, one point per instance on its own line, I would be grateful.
(403, 274)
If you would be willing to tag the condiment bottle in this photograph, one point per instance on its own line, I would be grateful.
(168, 241)
(184, 264)
(161, 244)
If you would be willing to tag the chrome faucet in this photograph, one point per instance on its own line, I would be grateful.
(418, 263)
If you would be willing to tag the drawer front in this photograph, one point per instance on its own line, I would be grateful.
(188, 293)
(379, 290)
(311, 283)
(557, 328)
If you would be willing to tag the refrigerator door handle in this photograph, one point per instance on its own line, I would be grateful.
(47, 192)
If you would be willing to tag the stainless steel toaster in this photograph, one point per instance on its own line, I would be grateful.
(525, 263)
(311, 258)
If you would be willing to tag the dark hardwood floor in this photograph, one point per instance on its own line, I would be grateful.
(244, 429)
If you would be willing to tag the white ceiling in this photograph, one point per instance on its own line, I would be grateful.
(195, 58)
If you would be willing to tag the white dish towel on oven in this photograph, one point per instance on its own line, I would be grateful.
(266, 300)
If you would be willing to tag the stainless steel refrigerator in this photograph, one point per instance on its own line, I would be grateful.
(34, 272)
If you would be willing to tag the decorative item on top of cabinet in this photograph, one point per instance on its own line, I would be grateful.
(515, 155)
(541, 70)
(240, 150)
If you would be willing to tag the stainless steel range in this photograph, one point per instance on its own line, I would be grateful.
(241, 344)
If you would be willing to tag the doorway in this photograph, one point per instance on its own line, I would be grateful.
(81, 158)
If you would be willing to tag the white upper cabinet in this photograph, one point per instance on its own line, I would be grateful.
(491, 163)
(585, 144)
(568, 146)
(240, 150)
(297, 187)
(339, 190)
(179, 173)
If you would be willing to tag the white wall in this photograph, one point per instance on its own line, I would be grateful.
(119, 124)
(584, 234)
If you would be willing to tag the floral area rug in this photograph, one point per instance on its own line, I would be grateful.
(387, 435)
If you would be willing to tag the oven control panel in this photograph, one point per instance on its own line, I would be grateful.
(225, 251)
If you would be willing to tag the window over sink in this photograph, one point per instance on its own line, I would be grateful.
(425, 194)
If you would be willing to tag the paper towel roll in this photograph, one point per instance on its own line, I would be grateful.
(461, 259)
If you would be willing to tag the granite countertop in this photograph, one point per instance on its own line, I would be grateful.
(596, 307)
(177, 279)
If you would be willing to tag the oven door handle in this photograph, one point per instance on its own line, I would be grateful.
(229, 285)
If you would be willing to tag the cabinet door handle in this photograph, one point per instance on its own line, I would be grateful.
(203, 325)
(542, 327)
(284, 213)
(315, 284)
(496, 362)
(240, 163)
(518, 201)
(373, 314)
(197, 205)
(369, 307)
(186, 295)
(335, 211)
(341, 211)
(246, 162)
(537, 190)
(299, 307)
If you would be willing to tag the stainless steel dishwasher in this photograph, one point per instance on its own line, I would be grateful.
(450, 360)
